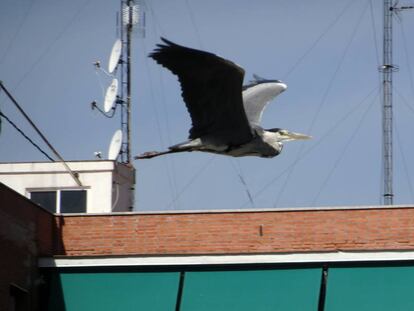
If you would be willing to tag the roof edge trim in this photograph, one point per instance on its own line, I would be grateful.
(105, 261)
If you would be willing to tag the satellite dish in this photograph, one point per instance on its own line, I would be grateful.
(115, 55)
(115, 145)
(110, 95)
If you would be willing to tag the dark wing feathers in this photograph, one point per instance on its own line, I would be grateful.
(212, 91)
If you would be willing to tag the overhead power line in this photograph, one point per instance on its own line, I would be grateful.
(324, 98)
(26, 137)
(40, 133)
(314, 147)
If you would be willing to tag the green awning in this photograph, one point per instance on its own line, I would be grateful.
(283, 289)
(114, 291)
(370, 288)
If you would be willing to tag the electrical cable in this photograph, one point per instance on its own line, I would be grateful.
(105, 114)
(315, 43)
(154, 18)
(410, 72)
(324, 98)
(405, 166)
(26, 137)
(159, 128)
(75, 178)
(411, 109)
(191, 13)
(170, 161)
(192, 179)
(377, 54)
(342, 153)
(47, 50)
(100, 83)
(405, 101)
(16, 34)
(240, 174)
(313, 147)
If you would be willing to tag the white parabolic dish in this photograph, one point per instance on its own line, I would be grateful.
(115, 55)
(115, 145)
(110, 95)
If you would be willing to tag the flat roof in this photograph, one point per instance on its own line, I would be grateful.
(9, 168)
(250, 210)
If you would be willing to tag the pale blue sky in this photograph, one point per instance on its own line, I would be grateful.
(324, 50)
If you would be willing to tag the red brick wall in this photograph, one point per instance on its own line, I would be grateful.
(26, 232)
(238, 232)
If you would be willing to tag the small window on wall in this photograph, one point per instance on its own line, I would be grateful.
(46, 199)
(61, 201)
(73, 201)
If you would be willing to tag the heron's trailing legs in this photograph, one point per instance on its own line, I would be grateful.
(152, 154)
(185, 146)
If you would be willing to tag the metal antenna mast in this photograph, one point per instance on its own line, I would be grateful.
(387, 68)
(128, 19)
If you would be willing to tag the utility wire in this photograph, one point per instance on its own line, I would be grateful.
(58, 36)
(16, 34)
(190, 12)
(154, 18)
(159, 128)
(191, 180)
(169, 163)
(405, 101)
(410, 72)
(410, 184)
(26, 137)
(240, 174)
(315, 43)
(100, 84)
(377, 55)
(324, 98)
(40, 133)
(342, 153)
(312, 148)
(374, 30)
(405, 166)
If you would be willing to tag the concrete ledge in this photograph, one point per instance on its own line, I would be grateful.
(328, 257)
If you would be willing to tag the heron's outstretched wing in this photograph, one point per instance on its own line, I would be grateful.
(212, 91)
(257, 95)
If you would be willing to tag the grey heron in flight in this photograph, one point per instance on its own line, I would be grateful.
(225, 114)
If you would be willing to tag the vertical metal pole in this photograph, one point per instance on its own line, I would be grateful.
(123, 83)
(126, 35)
(387, 114)
(128, 112)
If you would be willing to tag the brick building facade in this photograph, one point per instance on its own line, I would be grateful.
(26, 232)
(238, 232)
(55, 256)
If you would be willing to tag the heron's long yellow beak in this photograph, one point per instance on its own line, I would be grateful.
(295, 136)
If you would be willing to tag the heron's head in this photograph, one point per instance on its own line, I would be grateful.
(282, 135)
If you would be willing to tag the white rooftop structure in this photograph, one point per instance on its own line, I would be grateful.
(106, 186)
